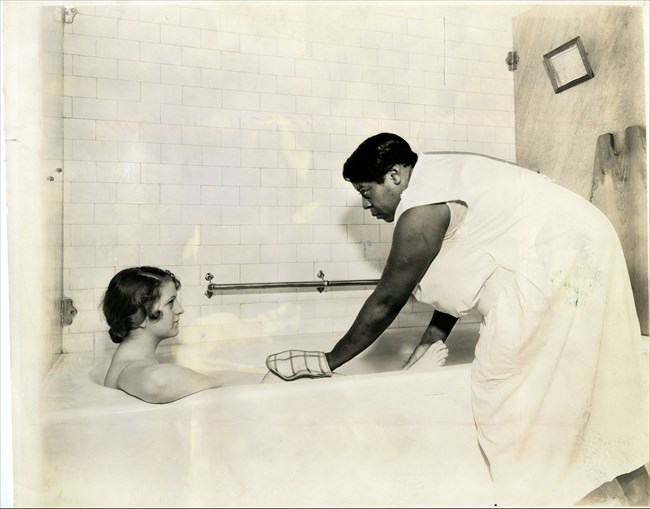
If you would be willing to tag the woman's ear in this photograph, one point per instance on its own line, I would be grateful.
(396, 174)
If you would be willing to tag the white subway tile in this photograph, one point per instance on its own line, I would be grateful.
(203, 255)
(80, 171)
(181, 154)
(86, 150)
(415, 112)
(298, 159)
(213, 39)
(92, 235)
(138, 234)
(138, 71)
(184, 115)
(241, 100)
(138, 112)
(164, 14)
(255, 158)
(219, 195)
(223, 80)
(314, 179)
(278, 177)
(159, 214)
(231, 61)
(119, 11)
(205, 97)
(202, 214)
(262, 120)
(243, 138)
(227, 157)
(95, 26)
(160, 133)
(111, 130)
(113, 214)
(180, 194)
(80, 86)
(140, 152)
(453, 132)
(311, 253)
(180, 35)
(94, 67)
(202, 58)
(138, 193)
(161, 255)
(258, 196)
(120, 256)
(220, 235)
(111, 171)
(258, 234)
(160, 53)
(281, 103)
(99, 109)
(79, 256)
(117, 49)
(278, 253)
(298, 197)
(276, 215)
(260, 312)
(296, 272)
(74, 44)
(312, 69)
(480, 101)
(118, 89)
(240, 254)
(138, 31)
(180, 235)
(276, 140)
(159, 93)
(201, 175)
(239, 215)
(161, 173)
(78, 129)
(200, 18)
(295, 234)
(180, 75)
(330, 234)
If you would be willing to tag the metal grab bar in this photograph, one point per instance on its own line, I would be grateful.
(319, 285)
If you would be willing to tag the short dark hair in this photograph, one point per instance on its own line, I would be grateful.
(130, 298)
(376, 156)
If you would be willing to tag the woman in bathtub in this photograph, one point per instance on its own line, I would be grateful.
(556, 382)
(142, 308)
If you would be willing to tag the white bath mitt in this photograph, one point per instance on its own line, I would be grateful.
(294, 364)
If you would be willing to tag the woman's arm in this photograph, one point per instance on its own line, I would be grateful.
(163, 383)
(437, 330)
(417, 239)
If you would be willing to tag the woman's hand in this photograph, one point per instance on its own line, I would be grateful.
(438, 354)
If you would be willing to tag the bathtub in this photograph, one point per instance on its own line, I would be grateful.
(372, 436)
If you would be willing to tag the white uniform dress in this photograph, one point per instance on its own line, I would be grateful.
(556, 382)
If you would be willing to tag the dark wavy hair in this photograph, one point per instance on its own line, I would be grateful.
(130, 298)
(376, 156)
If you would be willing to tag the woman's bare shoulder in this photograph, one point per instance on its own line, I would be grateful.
(122, 360)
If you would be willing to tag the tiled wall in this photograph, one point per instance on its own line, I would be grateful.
(209, 137)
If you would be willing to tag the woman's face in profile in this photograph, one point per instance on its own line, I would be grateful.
(170, 312)
(381, 198)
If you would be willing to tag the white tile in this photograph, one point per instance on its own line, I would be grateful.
(138, 71)
(78, 129)
(92, 235)
(111, 171)
(99, 109)
(138, 234)
(112, 130)
(138, 111)
(203, 58)
(114, 214)
(138, 193)
(161, 173)
(181, 154)
(180, 194)
(160, 53)
(181, 36)
(160, 133)
(94, 67)
(203, 97)
(138, 31)
(202, 214)
(117, 49)
(80, 86)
